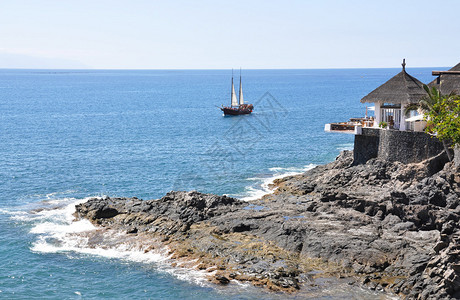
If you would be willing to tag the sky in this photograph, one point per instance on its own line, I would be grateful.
(214, 34)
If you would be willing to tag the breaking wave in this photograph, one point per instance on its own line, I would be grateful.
(261, 185)
(55, 230)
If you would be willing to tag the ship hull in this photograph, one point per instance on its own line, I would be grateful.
(228, 111)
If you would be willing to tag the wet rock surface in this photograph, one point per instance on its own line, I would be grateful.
(387, 225)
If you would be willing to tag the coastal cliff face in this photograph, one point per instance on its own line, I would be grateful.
(386, 225)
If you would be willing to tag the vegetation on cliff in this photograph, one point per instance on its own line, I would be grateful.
(442, 113)
(444, 119)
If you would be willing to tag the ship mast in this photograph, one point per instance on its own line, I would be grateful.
(241, 91)
(233, 96)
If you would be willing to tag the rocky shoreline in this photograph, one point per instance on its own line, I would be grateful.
(386, 225)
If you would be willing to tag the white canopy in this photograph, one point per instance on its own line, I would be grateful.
(415, 118)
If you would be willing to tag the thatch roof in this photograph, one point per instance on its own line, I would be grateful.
(401, 89)
(447, 83)
(456, 67)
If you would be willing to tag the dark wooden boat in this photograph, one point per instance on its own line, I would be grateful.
(237, 107)
(244, 109)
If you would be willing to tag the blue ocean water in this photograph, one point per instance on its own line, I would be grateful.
(66, 135)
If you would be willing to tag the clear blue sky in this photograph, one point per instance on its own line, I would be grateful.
(202, 34)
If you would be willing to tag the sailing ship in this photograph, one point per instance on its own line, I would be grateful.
(237, 107)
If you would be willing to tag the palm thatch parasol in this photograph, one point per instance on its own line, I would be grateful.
(401, 89)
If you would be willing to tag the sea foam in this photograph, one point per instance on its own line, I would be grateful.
(262, 184)
(57, 231)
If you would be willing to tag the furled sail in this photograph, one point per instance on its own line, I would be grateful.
(234, 100)
(241, 92)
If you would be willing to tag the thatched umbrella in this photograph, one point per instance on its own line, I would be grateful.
(447, 81)
(401, 89)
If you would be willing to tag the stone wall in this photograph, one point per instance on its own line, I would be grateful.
(408, 146)
(366, 145)
(395, 145)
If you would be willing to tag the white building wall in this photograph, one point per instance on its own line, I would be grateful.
(402, 122)
(377, 114)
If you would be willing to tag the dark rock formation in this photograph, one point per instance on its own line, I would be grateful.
(391, 225)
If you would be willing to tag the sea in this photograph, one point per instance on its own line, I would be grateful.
(68, 135)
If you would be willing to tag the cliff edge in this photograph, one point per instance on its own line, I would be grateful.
(386, 225)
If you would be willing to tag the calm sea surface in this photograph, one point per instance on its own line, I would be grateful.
(66, 135)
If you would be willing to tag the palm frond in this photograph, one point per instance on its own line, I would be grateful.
(410, 107)
(426, 88)
(425, 105)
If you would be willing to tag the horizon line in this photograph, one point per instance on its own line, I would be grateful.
(212, 69)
